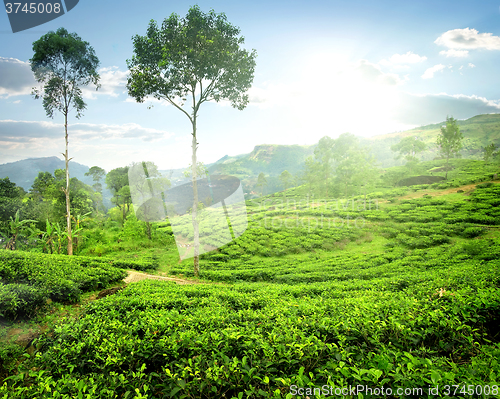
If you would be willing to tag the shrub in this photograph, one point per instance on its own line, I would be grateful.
(19, 300)
(471, 232)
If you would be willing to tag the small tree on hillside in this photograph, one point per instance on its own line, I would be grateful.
(449, 140)
(489, 152)
(97, 174)
(118, 184)
(408, 148)
(63, 63)
(199, 56)
(285, 178)
(261, 182)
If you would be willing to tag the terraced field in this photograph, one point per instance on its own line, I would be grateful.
(407, 301)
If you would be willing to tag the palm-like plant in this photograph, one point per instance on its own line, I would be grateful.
(16, 226)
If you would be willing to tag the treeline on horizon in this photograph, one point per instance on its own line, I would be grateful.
(339, 168)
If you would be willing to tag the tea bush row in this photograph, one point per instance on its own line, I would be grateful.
(29, 279)
(255, 340)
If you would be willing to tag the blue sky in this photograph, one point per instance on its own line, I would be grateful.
(323, 68)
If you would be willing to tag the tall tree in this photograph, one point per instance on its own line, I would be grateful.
(198, 56)
(324, 155)
(449, 140)
(62, 63)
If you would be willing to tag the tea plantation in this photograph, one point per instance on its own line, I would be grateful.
(327, 299)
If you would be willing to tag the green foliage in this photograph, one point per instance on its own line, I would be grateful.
(172, 61)
(21, 300)
(118, 183)
(97, 174)
(30, 279)
(62, 62)
(450, 139)
(10, 199)
(409, 147)
(9, 353)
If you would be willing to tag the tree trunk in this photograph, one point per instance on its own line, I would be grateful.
(68, 212)
(196, 231)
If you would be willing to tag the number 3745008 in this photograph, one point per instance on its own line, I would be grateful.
(33, 8)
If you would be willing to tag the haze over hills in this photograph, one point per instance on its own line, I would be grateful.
(478, 132)
(24, 172)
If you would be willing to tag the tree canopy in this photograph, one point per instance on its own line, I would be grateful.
(62, 63)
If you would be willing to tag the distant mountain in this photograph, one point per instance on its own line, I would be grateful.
(272, 159)
(24, 172)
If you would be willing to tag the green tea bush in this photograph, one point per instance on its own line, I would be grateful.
(9, 355)
(29, 279)
(21, 300)
(471, 232)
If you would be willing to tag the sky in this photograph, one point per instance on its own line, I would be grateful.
(323, 68)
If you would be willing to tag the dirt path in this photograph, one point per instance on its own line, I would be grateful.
(134, 276)
(467, 190)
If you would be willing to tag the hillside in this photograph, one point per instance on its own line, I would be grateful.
(24, 172)
(272, 159)
(478, 132)
(401, 292)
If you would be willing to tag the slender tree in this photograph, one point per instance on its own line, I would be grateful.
(62, 63)
(449, 140)
(198, 56)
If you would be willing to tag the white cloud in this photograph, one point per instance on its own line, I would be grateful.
(24, 131)
(429, 73)
(468, 39)
(433, 108)
(408, 58)
(471, 65)
(16, 78)
(113, 83)
(455, 53)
